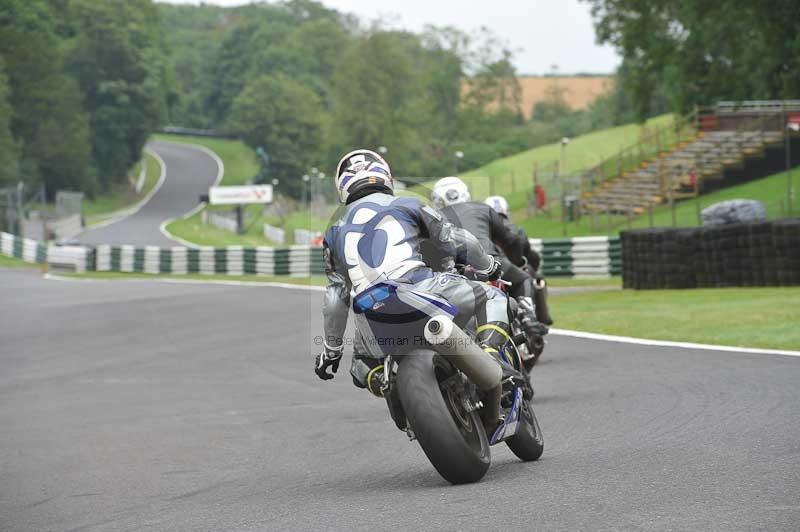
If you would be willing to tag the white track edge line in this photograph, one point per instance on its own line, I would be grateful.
(220, 173)
(130, 211)
(667, 343)
(155, 279)
(556, 332)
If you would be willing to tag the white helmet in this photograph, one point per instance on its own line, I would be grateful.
(449, 191)
(361, 168)
(498, 203)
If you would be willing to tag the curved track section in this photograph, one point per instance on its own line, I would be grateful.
(150, 406)
(190, 171)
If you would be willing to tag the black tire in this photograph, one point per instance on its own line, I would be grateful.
(527, 443)
(457, 448)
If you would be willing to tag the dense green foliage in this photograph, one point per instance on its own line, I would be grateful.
(307, 83)
(696, 52)
(82, 85)
(9, 148)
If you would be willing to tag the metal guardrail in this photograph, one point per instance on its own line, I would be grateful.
(757, 106)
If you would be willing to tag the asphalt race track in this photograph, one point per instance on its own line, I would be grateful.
(189, 173)
(141, 405)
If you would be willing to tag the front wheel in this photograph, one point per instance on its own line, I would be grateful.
(452, 438)
(527, 443)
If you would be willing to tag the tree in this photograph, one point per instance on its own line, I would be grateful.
(115, 56)
(698, 52)
(48, 120)
(9, 148)
(283, 116)
(553, 106)
(384, 94)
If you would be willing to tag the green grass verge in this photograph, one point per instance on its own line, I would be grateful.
(571, 282)
(745, 317)
(14, 262)
(122, 194)
(194, 230)
(241, 162)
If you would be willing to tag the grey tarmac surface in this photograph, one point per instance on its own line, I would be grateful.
(140, 405)
(189, 173)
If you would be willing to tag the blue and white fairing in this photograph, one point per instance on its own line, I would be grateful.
(510, 423)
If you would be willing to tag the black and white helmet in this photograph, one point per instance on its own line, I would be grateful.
(449, 191)
(498, 203)
(361, 168)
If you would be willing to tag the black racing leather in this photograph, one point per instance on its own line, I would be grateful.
(488, 227)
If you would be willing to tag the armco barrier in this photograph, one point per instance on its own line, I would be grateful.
(300, 261)
(576, 257)
(752, 254)
(77, 258)
(590, 256)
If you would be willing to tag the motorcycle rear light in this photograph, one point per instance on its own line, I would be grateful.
(367, 300)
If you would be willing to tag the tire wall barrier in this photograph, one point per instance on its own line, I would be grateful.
(751, 254)
(589, 256)
(77, 258)
(575, 257)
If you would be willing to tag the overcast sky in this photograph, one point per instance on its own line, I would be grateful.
(544, 32)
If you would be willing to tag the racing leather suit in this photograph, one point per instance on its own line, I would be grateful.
(378, 237)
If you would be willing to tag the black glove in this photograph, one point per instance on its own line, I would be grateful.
(329, 358)
(492, 273)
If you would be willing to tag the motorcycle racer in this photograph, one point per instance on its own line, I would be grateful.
(500, 205)
(378, 237)
(504, 241)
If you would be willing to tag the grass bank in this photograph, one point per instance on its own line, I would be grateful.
(13, 262)
(513, 176)
(122, 195)
(744, 317)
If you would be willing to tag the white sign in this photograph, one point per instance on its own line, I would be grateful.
(240, 195)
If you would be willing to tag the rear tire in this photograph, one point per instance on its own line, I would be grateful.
(454, 441)
(527, 443)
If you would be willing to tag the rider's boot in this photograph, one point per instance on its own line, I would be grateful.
(367, 371)
(528, 320)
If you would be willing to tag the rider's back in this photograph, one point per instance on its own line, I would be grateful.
(378, 237)
(476, 218)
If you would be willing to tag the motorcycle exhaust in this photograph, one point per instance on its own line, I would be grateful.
(479, 366)
(454, 344)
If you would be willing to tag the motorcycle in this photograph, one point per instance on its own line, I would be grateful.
(443, 390)
(523, 310)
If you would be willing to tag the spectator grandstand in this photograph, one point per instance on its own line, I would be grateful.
(725, 139)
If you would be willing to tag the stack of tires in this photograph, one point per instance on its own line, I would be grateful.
(786, 238)
(659, 258)
(751, 254)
